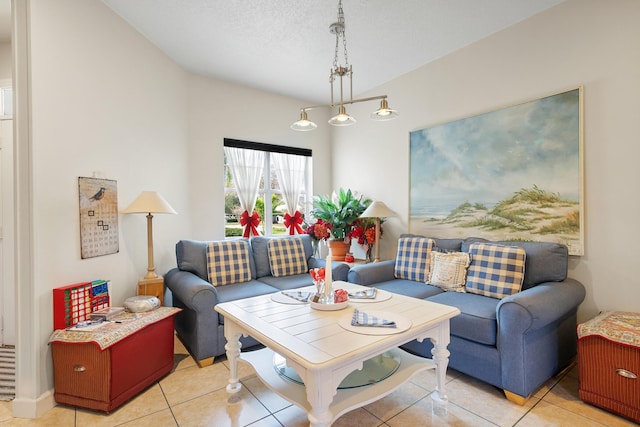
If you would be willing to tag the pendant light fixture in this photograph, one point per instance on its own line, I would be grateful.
(341, 72)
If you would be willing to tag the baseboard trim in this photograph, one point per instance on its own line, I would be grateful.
(33, 408)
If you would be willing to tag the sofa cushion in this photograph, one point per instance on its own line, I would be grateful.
(496, 270)
(546, 261)
(449, 270)
(409, 288)
(286, 257)
(477, 318)
(228, 262)
(288, 282)
(191, 256)
(261, 252)
(241, 290)
(413, 258)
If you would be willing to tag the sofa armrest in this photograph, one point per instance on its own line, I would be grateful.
(368, 274)
(194, 292)
(539, 306)
(537, 333)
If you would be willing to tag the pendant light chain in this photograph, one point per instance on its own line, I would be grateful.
(339, 29)
(338, 72)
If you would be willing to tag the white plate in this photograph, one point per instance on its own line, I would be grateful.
(329, 307)
(380, 296)
(402, 323)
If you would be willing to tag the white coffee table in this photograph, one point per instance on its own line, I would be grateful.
(323, 353)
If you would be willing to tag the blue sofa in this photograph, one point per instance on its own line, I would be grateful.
(515, 343)
(198, 325)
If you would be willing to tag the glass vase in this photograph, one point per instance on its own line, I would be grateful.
(369, 254)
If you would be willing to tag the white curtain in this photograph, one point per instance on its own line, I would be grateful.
(246, 169)
(290, 171)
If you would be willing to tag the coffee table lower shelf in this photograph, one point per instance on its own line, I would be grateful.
(345, 399)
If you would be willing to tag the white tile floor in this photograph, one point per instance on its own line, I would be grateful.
(192, 396)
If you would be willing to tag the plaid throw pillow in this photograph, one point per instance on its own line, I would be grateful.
(228, 262)
(496, 271)
(413, 258)
(286, 257)
(448, 270)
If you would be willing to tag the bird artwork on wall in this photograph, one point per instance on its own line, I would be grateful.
(99, 195)
(98, 217)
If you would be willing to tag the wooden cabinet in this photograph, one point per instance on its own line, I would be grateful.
(152, 288)
(89, 376)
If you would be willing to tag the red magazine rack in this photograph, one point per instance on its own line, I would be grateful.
(75, 303)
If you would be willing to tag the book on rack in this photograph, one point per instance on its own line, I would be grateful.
(107, 313)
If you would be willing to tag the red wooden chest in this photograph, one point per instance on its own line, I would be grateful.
(609, 363)
(92, 377)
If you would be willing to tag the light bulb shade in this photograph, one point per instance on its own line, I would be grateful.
(304, 124)
(384, 112)
(149, 202)
(377, 210)
(342, 118)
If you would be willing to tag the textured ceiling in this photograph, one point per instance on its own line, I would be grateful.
(284, 46)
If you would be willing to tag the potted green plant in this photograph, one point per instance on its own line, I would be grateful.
(341, 211)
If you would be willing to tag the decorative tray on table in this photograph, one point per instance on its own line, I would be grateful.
(336, 300)
(329, 306)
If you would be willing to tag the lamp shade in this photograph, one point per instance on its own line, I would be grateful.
(304, 124)
(377, 210)
(149, 202)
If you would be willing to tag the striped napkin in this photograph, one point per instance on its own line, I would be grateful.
(297, 295)
(366, 294)
(363, 319)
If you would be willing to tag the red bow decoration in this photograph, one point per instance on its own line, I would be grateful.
(250, 223)
(293, 222)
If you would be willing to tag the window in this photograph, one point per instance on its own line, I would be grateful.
(279, 175)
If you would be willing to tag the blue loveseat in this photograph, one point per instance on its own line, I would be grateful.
(515, 343)
(198, 325)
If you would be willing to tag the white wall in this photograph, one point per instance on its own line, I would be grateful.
(219, 110)
(5, 60)
(104, 100)
(580, 42)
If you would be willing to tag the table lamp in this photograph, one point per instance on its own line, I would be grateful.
(377, 210)
(150, 202)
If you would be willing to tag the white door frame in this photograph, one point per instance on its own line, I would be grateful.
(7, 278)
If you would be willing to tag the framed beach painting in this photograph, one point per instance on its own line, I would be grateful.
(513, 174)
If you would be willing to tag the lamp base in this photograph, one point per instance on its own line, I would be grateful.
(152, 287)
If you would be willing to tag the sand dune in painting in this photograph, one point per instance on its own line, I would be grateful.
(530, 215)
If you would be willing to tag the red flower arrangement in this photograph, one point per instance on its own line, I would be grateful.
(320, 230)
(364, 232)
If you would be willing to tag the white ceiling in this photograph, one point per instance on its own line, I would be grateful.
(284, 46)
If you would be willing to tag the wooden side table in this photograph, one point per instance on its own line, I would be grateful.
(103, 368)
(152, 287)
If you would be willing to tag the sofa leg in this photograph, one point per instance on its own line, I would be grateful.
(205, 362)
(515, 398)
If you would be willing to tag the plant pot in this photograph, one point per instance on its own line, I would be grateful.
(338, 249)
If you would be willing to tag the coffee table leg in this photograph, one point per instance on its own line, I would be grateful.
(319, 395)
(232, 347)
(441, 359)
